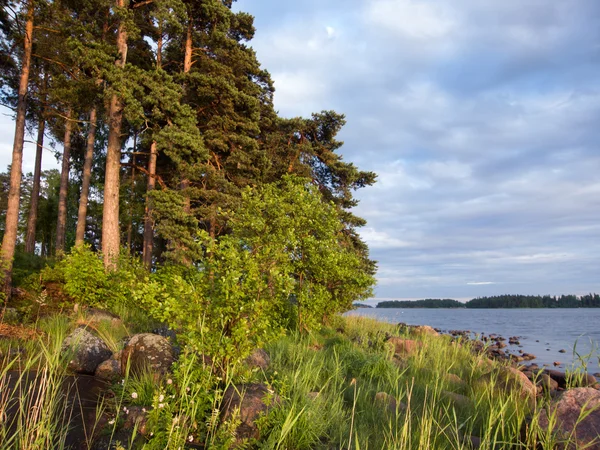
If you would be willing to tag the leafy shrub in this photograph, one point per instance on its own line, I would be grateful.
(86, 281)
(285, 263)
(85, 278)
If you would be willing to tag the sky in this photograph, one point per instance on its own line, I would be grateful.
(481, 119)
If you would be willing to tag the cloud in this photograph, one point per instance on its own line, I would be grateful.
(481, 120)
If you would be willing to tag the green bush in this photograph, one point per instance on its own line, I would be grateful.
(285, 263)
(86, 281)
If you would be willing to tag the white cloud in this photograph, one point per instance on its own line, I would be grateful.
(414, 19)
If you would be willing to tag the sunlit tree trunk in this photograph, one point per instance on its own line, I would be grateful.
(148, 228)
(85, 181)
(35, 191)
(148, 245)
(9, 240)
(61, 223)
(110, 217)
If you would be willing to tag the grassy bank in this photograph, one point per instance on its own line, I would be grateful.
(344, 387)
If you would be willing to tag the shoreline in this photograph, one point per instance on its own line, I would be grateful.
(520, 344)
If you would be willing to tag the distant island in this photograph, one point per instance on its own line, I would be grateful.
(361, 305)
(426, 303)
(501, 301)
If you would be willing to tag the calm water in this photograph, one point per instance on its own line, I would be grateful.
(555, 329)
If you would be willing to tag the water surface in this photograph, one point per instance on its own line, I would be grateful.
(565, 328)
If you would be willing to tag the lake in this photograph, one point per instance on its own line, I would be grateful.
(555, 329)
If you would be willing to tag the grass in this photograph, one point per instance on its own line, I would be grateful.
(337, 390)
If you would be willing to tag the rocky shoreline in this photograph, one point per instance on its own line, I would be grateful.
(502, 348)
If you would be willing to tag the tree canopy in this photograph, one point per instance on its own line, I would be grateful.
(172, 151)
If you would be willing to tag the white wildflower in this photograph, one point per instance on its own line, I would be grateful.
(134, 395)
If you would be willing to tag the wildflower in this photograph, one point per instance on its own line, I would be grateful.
(187, 389)
(134, 395)
(161, 405)
(111, 422)
(190, 438)
(161, 398)
(169, 381)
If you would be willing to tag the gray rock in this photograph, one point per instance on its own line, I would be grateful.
(147, 351)
(577, 415)
(87, 351)
(258, 359)
(247, 402)
(101, 315)
(136, 417)
(109, 370)
(389, 403)
(511, 379)
(459, 400)
(405, 346)
(547, 383)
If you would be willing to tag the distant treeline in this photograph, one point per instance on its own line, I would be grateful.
(427, 303)
(502, 301)
(536, 301)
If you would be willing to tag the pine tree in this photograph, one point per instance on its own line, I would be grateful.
(9, 240)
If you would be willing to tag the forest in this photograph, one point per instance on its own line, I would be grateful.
(502, 301)
(175, 168)
(536, 301)
(426, 303)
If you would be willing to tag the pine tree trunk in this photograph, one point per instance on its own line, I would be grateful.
(61, 223)
(187, 66)
(148, 245)
(86, 179)
(9, 240)
(131, 197)
(35, 191)
(148, 228)
(110, 218)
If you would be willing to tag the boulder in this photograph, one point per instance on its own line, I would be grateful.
(258, 359)
(547, 383)
(109, 370)
(558, 376)
(100, 315)
(136, 417)
(87, 351)
(455, 381)
(459, 400)
(247, 402)
(389, 403)
(511, 379)
(147, 351)
(576, 380)
(577, 415)
(405, 346)
(423, 330)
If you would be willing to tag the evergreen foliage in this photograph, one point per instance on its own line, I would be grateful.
(170, 91)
